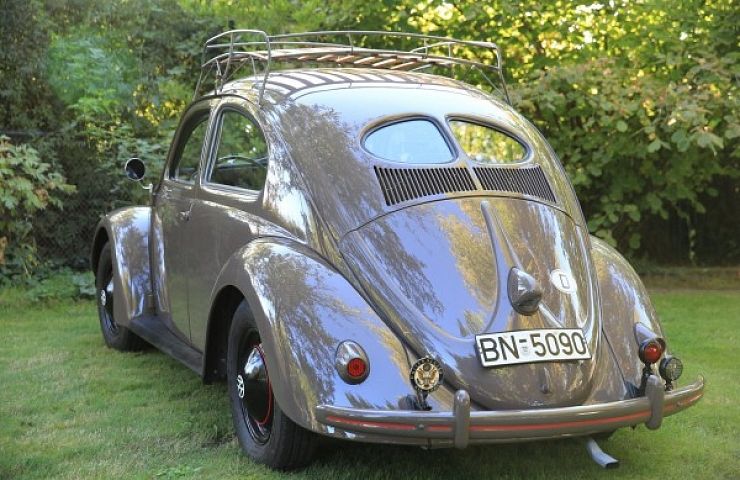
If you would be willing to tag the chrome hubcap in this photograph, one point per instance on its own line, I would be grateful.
(254, 390)
(106, 306)
(254, 369)
(256, 386)
(106, 295)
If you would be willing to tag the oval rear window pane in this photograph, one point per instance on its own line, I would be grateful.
(487, 145)
(410, 141)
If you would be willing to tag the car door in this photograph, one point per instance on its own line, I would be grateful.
(173, 203)
(229, 207)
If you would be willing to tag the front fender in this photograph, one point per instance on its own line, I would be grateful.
(304, 309)
(127, 231)
(626, 308)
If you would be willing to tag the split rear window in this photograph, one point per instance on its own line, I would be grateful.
(487, 145)
(411, 141)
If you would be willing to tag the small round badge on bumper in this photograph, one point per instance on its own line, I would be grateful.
(426, 376)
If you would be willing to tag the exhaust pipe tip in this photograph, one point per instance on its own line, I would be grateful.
(603, 459)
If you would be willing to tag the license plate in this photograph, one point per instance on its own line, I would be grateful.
(530, 346)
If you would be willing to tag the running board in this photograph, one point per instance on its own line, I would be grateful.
(151, 329)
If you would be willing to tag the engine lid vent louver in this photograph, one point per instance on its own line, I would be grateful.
(528, 181)
(403, 184)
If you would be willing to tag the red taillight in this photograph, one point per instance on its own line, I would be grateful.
(651, 351)
(356, 367)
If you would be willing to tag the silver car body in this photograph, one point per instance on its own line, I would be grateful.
(342, 245)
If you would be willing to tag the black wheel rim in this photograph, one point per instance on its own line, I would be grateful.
(105, 301)
(253, 388)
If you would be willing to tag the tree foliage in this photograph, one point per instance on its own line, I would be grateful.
(638, 98)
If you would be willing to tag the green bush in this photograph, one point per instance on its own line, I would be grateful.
(634, 145)
(60, 284)
(27, 186)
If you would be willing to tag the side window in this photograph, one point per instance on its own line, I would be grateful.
(241, 157)
(185, 166)
(487, 145)
(409, 141)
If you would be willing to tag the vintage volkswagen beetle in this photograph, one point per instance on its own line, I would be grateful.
(376, 254)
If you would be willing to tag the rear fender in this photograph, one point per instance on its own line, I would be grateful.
(304, 309)
(628, 315)
(127, 231)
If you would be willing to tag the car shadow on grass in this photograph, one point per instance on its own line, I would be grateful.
(531, 460)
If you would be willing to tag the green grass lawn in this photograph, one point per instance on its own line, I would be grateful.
(72, 408)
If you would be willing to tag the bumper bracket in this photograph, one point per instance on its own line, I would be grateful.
(655, 393)
(461, 412)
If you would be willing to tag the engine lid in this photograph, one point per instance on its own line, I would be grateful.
(438, 273)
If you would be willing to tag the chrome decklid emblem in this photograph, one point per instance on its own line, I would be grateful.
(524, 293)
(563, 281)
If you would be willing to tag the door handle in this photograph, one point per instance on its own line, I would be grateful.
(185, 214)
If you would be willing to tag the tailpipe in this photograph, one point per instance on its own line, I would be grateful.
(597, 454)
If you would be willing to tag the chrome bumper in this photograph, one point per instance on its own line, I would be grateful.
(461, 426)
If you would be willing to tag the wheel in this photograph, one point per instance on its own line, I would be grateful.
(116, 336)
(265, 433)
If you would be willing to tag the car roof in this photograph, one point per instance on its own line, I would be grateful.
(287, 85)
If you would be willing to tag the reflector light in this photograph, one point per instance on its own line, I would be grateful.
(651, 351)
(356, 367)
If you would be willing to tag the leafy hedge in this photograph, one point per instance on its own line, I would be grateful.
(639, 99)
(633, 146)
(27, 186)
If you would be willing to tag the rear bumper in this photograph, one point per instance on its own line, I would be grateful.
(461, 427)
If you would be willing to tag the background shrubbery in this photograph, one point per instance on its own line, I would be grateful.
(27, 186)
(639, 99)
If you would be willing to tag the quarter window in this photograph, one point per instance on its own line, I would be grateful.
(487, 145)
(185, 168)
(410, 141)
(241, 158)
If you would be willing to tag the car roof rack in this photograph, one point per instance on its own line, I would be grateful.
(230, 52)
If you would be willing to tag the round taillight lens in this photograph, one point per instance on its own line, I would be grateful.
(351, 362)
(356, 368)
(651, 351)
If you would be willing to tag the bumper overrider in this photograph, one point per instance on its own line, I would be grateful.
(461, 427)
